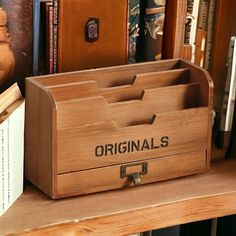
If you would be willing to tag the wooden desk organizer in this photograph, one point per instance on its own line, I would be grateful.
(108, 128)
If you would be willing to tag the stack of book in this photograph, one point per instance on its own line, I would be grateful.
(12, 146)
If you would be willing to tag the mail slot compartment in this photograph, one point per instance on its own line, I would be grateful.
(83, 127)
(104, 144)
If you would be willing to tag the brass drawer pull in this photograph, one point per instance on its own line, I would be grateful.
(133, 172)
(135, 178)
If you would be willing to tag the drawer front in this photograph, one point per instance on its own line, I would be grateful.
(157, 169)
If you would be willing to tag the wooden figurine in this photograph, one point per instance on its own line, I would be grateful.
(7, 61)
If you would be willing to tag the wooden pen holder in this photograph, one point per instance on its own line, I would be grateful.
(109, 128)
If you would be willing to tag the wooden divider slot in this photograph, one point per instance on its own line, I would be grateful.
(104, 144)
(120, 93)
(123, 74)
(97, 109)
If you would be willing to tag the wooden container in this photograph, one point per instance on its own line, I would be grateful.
(109, 128)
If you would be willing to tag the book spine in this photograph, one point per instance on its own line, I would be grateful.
(1, 171)
(55, 52)
(55, 11)
(55, 35)
(36, 25)
(50, 39)
(134, 27)
(201, 33)
(210, 33)
(8, 165)
(153, 30)
(5, 167)
(11, 158)
(190, 29)
(228, 106)
(16, 152)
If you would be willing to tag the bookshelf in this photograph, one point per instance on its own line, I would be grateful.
(147, 207)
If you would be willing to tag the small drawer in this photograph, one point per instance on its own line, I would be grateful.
(158, 169)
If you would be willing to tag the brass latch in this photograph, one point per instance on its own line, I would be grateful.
(133, 172)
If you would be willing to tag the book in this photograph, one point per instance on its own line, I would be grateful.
(49, 12)
(227, 113)
(201, 33)
(12, 146)
(91, 36)
(191, 26)
(210, 34)
(224, 29)
(55, 36)
(134, 27)
(36, 30)
(151, 32)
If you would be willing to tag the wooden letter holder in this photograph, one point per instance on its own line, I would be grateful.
(109, 128)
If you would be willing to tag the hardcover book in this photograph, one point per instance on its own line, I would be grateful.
(92, 34)
(191, 25)
(134, 27)
(12, 146)
(151, 34)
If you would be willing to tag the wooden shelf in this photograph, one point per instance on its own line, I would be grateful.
(152, 206)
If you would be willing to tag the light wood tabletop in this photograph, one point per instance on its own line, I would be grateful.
(126, 211)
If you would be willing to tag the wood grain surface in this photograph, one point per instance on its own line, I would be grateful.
(168, 203)
(173, 42)
(115, 125)
(110, 49)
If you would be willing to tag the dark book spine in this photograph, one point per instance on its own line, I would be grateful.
(55, 12)
(134, 14)
(150, 41)
(55, 53)
(210, 33)
(55, 35)
(188, 24)
(50, 39)
(36, 27)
